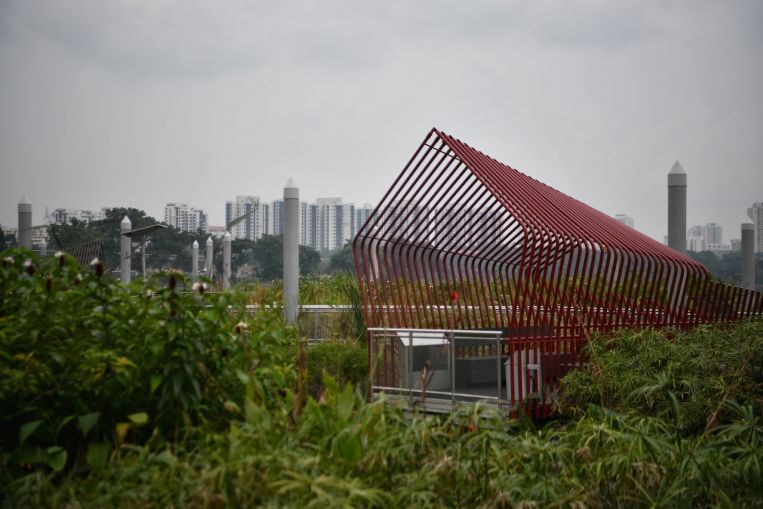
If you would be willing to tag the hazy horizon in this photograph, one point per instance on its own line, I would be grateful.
(197, 102)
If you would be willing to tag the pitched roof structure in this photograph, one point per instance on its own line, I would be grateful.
(462, 241)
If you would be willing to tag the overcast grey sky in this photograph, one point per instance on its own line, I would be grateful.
(197, 101)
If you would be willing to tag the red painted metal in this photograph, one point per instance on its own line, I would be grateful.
(462, 241)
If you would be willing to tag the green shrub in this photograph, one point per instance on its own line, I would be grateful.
(341, 452)
(344, 360)
(88, 364)
(684, 377)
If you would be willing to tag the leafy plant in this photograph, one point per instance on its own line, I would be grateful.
(90, 416)
(346, 361)
(88, 365)
(686, 378)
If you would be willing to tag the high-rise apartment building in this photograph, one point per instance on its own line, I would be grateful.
(712, 233)
(335, 223)
(64, 216)
(255, 216)
(695, 239)
(325, 225)
(185, 218)
(361, 216)
(405, 219)
(700, 238)
(276, 214)
(755, 213)
(308, 224)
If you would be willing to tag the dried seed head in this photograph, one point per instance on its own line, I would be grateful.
(49, 283)
(77, 279)
(97, 266)
(7, 261)
(199, 287)
(29, 266)
(61, 258)
(241, 327)
(173, 282)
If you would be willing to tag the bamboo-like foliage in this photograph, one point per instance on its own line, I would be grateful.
(339, 451)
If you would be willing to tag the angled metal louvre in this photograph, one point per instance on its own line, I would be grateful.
(461, 241)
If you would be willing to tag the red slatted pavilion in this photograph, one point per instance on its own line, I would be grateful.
(462, 241)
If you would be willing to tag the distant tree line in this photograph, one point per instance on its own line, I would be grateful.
(170, 248)
(728, 268)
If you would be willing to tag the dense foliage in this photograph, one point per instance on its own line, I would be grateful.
(341, 289)
(85, 361)
(87, 364)
(344, 361)
(728, 267)
(170, 248)
(688, 380)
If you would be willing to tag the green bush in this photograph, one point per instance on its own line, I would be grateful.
(684, 377)
(346, 361)
(341, 452)
(88, 364)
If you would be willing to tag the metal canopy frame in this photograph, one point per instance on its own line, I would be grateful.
(141, 234)
(461, 241)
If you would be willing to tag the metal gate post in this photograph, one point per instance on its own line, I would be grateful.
(452, 371)
(371, 364)
(498, 367)
(410, 369)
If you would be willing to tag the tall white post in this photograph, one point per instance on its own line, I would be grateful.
(210, 252)
(677, 208)
(125, 250)
(291, 252)
(226, 260)
(43, 248)
(195, 260)
(24, 231)
(748, 256)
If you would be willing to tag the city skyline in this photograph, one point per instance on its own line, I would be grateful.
(120, 104)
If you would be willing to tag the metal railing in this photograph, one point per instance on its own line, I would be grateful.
(320, 321)
(435, 369)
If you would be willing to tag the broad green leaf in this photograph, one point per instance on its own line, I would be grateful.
(138, 418)
(63, 422)
(122, 364)
(98, 454)
(121, 430)
(87, 421)
(242, 376)
(57, 458)
(155, 381)
(345, 402)
(167, 458)
(348, 446)
(26, 430)
(250, 411)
